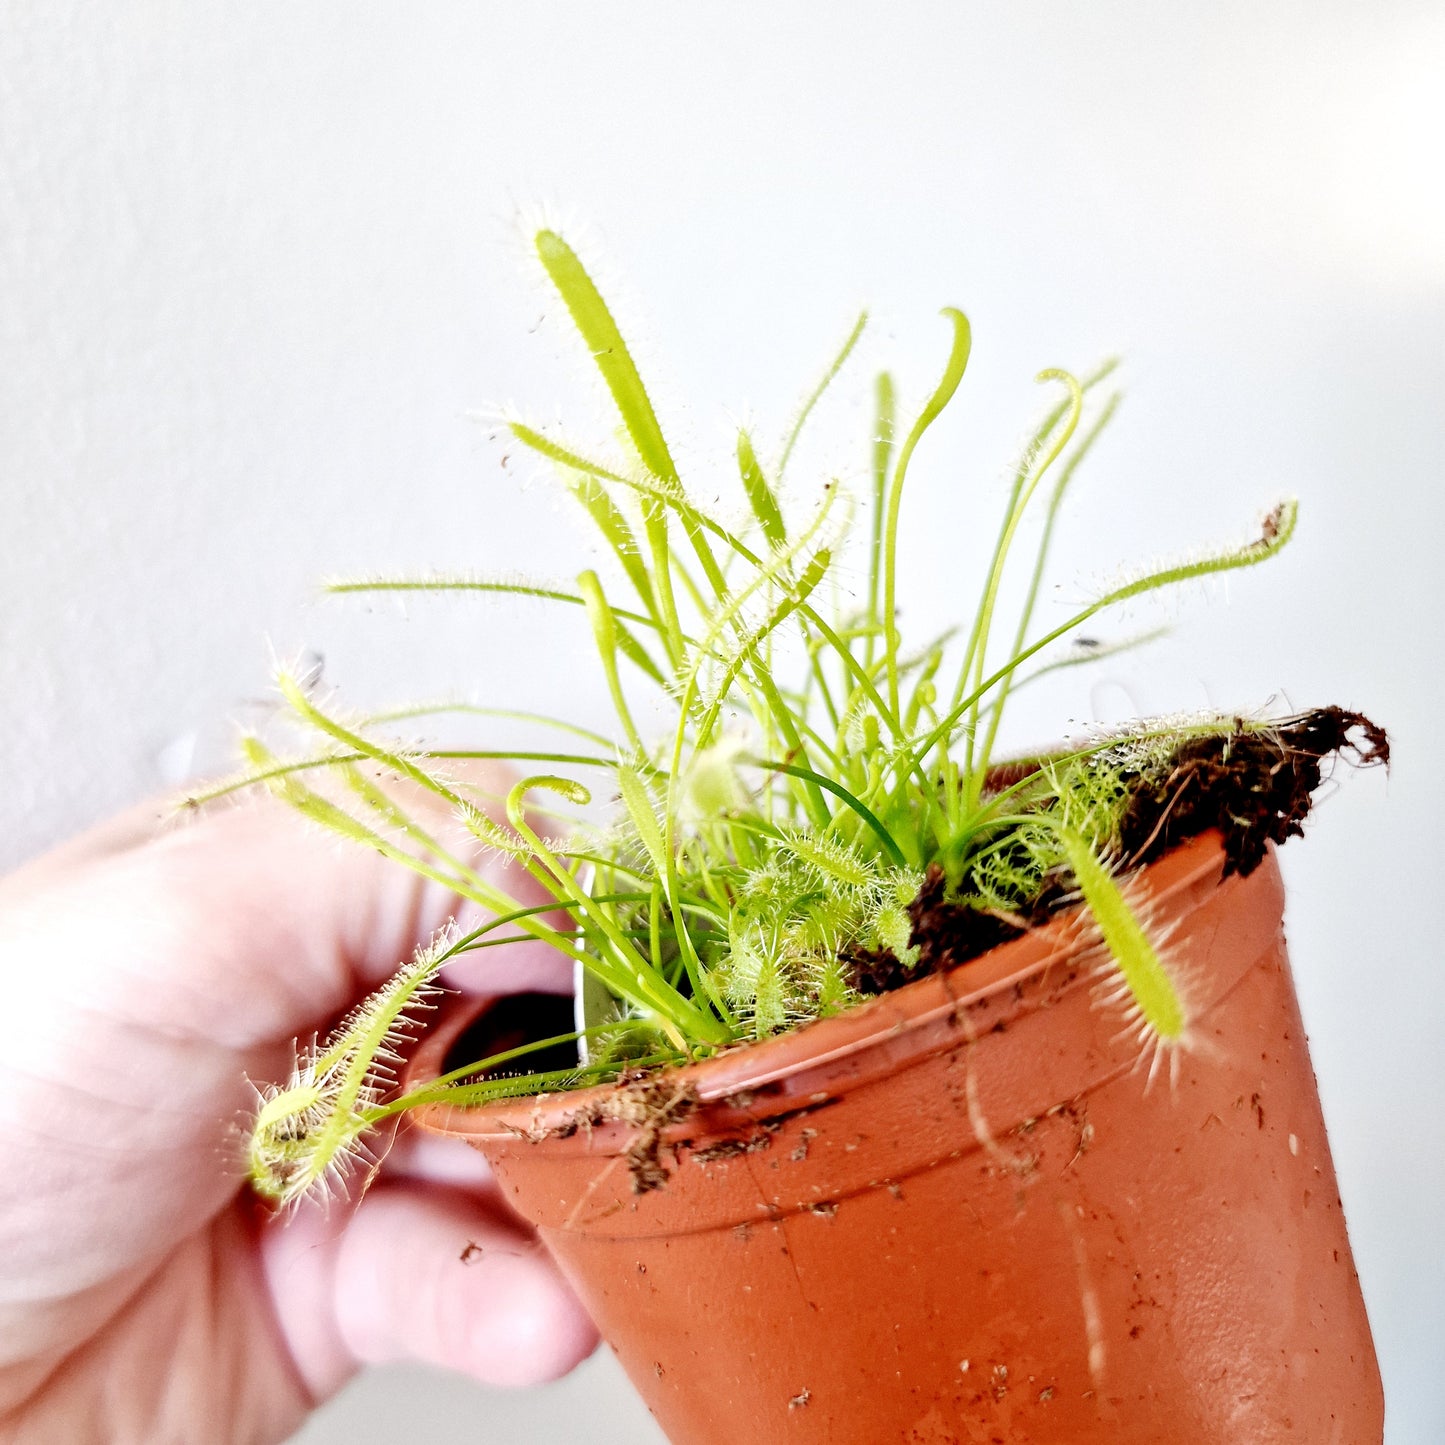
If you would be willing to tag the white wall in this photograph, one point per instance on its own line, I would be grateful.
(256, 262)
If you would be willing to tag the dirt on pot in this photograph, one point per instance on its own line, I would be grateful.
(650, 1105)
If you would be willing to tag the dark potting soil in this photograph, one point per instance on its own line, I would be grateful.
(1256, 787)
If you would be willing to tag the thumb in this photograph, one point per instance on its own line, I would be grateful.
(420, 1273)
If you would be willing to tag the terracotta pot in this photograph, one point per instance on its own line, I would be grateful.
(958, 1214)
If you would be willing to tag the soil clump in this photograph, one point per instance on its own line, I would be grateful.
(1256, 786)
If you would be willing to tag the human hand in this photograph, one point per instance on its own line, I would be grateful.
(149, 969)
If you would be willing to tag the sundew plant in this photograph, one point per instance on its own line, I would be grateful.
(813, 771)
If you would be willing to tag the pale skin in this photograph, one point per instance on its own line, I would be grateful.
(151, 968)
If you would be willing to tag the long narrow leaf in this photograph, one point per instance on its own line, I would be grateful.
(599, 332)
(641, 809)
(760, 495)
(615, 531)
(883, 424)
(976, 764)
(499, 586)
(604, 630)
(614, 361)
(1275, 533)
(890, 847)
(942, 395)
(1128, 942)
(817, 393)
(656, 496)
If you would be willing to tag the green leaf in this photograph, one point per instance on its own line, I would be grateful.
(608, 520)
(817, 392)
(605, 633)
(760, 495)
(890, 847)
(1128, 942)
(829, 856)
(599, 331)
(638, 802)
(811, 576)
(508, 588)
(942, 395)
(883, 428)
(1275, 533)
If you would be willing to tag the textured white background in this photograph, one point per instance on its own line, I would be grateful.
(257, 262)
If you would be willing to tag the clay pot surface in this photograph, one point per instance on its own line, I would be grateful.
(960, 1213)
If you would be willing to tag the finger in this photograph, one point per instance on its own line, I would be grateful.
(248, 925)
(519, 966)
(419, 1154)
(130, 829)
(426, 1275)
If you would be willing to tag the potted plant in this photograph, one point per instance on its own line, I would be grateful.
(915, 1096)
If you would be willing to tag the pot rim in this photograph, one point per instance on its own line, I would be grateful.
(729, 1077)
